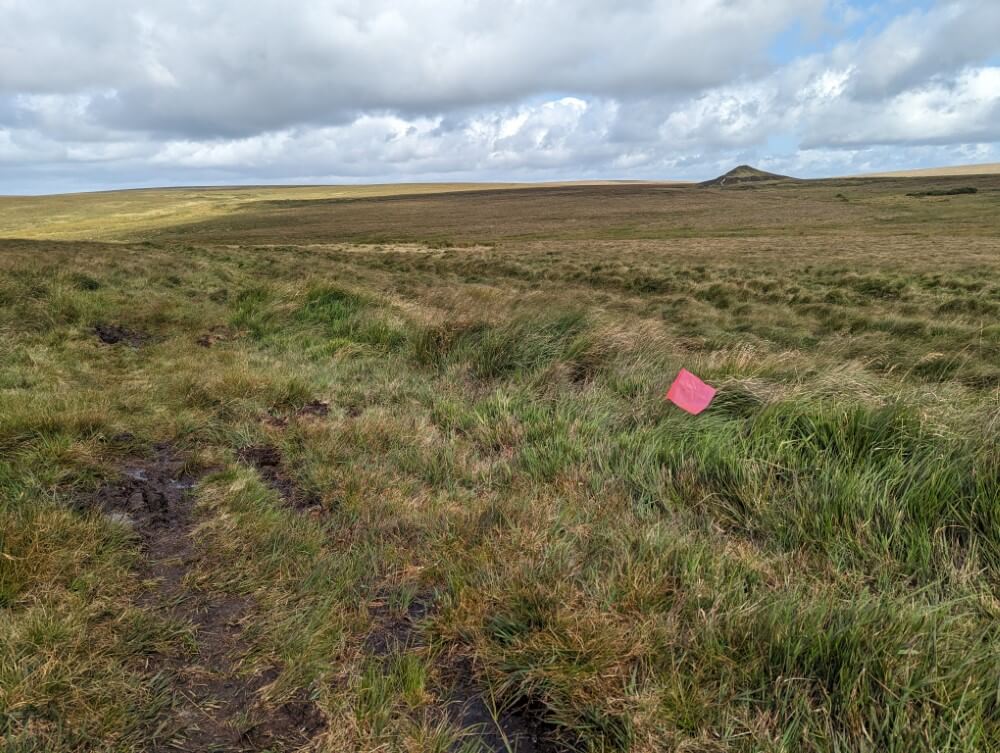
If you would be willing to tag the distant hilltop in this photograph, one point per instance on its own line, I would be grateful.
(743, 174)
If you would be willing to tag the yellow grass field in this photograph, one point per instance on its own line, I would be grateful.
(937, 172)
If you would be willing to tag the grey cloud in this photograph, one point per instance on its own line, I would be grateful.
(923, 45)
(156, 92)
(228, 68)
(964, 108)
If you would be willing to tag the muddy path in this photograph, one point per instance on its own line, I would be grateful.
(512, 729)
(269, 463)
(465, 703)
(221, 709)
(216, 708)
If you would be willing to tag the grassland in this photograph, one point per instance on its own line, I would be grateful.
(986, 168)
(111, 215)
(116, 215)
(395, 473)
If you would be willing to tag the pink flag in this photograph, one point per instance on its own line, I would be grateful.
(689, 393)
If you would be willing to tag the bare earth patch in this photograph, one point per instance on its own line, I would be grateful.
(269, 463)
(216, 708)
(513, 729)
(112, 334)
(312, 410)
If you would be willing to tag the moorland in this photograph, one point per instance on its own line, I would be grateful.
(391, 469)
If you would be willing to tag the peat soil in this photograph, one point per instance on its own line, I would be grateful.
(517, 729)
(520, 728)
(270, 464)
(112, 334)
(215, 707)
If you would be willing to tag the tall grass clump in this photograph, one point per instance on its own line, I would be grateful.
(506, 349)
(252, 311)
(345, 315)
(871, 486)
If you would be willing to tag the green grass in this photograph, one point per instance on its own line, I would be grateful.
(810, 565)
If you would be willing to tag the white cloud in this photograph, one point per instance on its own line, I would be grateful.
(231, 67)
(188, 91)
(965, 108)
(921, 45)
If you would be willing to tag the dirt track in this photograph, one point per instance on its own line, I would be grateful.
(216, 707)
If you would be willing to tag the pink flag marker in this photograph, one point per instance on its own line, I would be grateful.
(689, 393)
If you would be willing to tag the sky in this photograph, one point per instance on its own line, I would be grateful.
(131, 93)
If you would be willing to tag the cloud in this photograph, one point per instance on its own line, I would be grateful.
(923, 45)
(230, 68)
(961, 109)
(529, 137)
(156, 92)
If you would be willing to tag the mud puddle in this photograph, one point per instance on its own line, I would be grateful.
(516, 729)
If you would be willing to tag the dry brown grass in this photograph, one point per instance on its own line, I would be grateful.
(988, 168)
(613, 212)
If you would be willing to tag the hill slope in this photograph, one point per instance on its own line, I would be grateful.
(743, 174)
